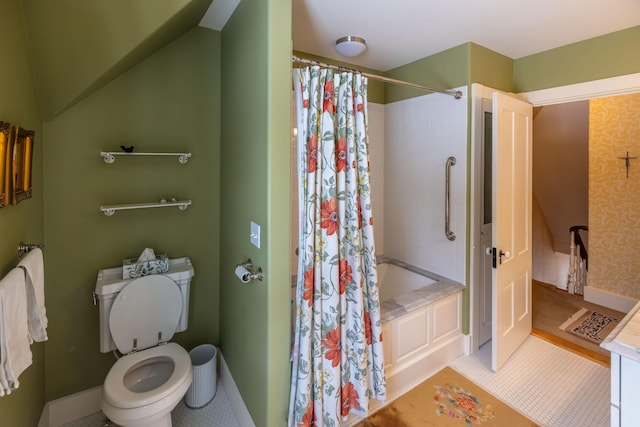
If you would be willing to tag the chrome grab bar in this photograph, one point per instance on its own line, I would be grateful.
(447, 202)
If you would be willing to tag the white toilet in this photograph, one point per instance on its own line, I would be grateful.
(138, 317)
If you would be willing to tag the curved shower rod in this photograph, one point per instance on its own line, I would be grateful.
(297, 60)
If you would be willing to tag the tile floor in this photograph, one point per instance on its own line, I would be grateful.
(548, 384)
(217, 413)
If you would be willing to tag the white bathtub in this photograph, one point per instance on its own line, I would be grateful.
(394, 281)
(426, 334)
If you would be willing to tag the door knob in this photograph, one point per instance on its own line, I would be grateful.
(505, 255)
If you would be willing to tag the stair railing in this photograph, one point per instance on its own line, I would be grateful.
(578, 261)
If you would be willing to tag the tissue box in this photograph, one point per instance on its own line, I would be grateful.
(132, 268)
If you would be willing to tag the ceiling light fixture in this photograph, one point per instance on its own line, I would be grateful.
(351, 46)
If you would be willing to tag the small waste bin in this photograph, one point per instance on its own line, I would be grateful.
(203, 387)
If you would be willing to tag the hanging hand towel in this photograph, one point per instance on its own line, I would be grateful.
(33, 266)
(4, 353)
(16, 346)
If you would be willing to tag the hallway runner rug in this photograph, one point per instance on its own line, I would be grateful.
(590, 325)
(446, 399)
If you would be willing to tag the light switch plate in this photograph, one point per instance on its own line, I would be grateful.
(255, 235)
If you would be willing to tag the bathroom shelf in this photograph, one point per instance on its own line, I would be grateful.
(109, 156)
(111, 209)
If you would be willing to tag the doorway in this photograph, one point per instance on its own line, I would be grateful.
(605, 127)
(560, 186)
(578, 92)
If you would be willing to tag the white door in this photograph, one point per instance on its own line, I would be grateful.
(511, 211)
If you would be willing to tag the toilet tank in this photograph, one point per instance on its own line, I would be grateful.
(110, 283)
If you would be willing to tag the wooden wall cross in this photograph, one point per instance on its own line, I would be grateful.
(627, 162)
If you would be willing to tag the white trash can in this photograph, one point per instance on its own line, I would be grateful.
(203, 387)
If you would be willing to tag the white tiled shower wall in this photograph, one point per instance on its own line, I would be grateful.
(420, 134)
(409, 143)
(375, 128)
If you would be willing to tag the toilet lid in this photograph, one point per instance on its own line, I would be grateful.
(145, 307)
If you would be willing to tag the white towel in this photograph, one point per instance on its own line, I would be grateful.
(33, 266)
(16, 351)
(4, 353)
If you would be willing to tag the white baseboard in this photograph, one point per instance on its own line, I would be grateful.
(82, 404)
(70, 408)
(468, 344)
(609, 299)
(233, 394)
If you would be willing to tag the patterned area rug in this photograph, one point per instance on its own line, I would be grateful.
(590, 325)
(446, 399)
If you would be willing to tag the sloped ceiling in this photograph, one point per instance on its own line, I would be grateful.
(561, 167)
(218, 14)
(78, 46)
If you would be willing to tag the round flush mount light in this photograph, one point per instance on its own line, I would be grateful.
(351, 46)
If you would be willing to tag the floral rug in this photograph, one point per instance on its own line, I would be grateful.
(590, 325)
(446, 399)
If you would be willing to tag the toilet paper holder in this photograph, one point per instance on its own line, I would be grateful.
(246, 273)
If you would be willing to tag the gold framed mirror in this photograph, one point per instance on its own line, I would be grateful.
(5, 163)
(21, 154)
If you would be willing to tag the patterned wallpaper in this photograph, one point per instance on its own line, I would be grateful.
(614, 199)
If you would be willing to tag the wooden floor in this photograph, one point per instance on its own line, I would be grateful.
(572, 347)
(551, 307)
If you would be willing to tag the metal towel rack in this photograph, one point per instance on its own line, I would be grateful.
(109, 156)
(447, 199)
(23, 248)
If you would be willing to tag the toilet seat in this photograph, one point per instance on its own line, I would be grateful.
(118, 395)
(145, 312)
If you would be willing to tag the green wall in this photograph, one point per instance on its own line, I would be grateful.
(444, 70)
(455, 67)
(256, 72)
(169, 102)
(490, 68)
(22, 222)
(601, 57)
(79, 46)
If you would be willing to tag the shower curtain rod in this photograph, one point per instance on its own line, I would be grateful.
(296, 59)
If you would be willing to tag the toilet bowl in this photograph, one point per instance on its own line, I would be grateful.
(142, 388)
(138, 317)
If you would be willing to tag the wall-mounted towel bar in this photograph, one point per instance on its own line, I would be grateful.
(23, 248)
(109, 156)
(447, 201)
(111, 209)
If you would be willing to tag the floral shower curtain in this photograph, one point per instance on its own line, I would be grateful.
(337, 355)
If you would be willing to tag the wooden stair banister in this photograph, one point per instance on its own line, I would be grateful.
(578, 262)
(578, 239)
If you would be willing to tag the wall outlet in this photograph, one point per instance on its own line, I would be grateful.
(254, 237)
